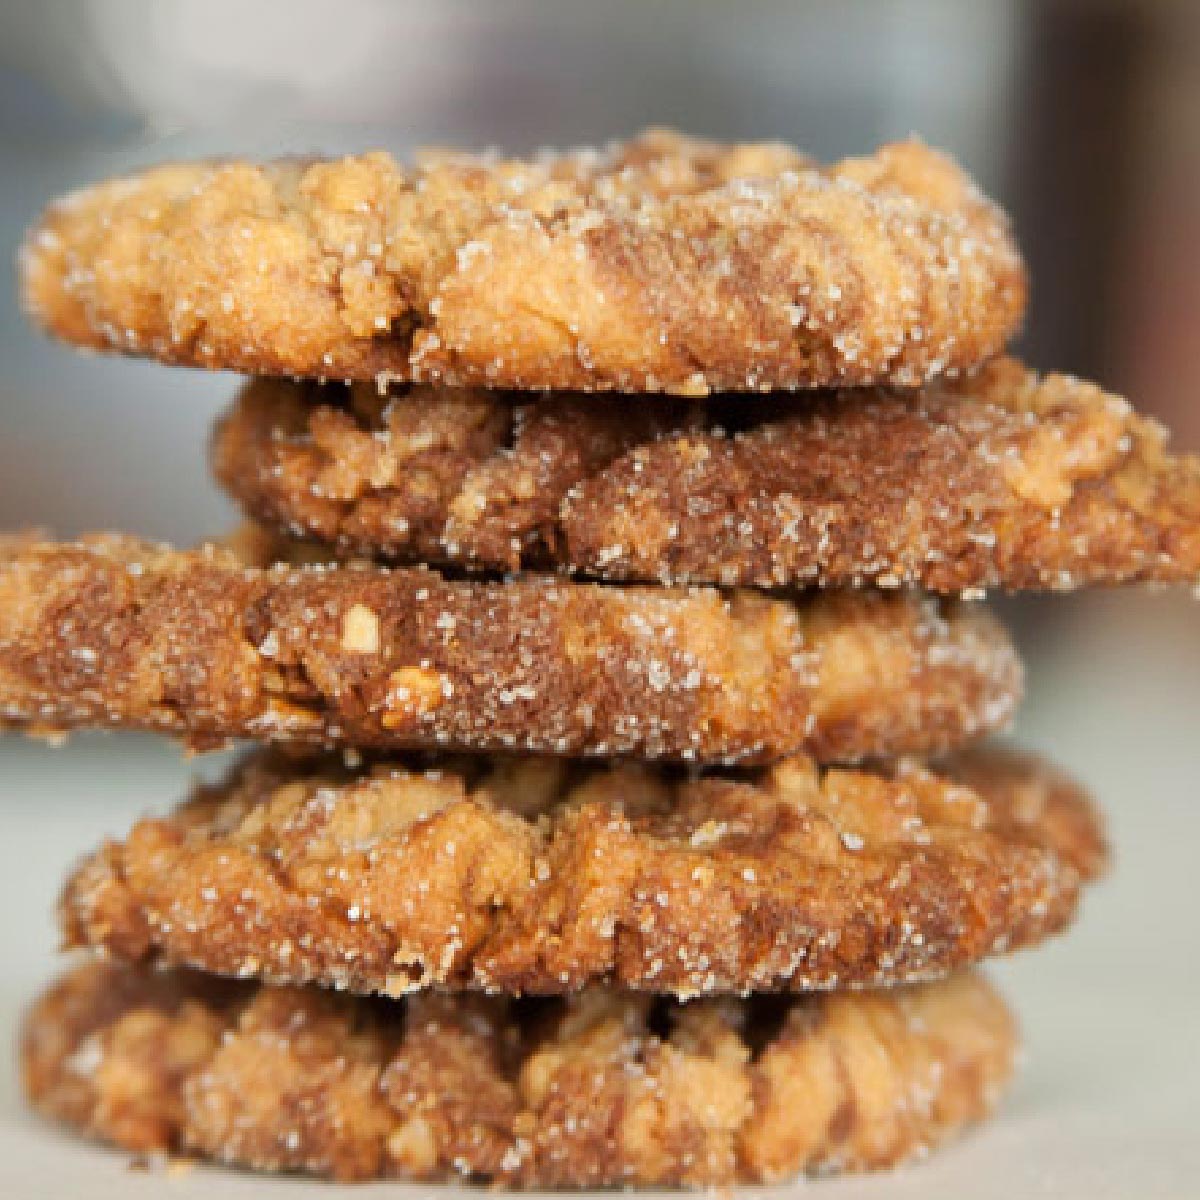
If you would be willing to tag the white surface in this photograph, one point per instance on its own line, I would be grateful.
(1105, 1109)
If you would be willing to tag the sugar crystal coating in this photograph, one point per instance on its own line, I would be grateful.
(1001, 479)
(537, 875)
(662, 264)
(114, 632)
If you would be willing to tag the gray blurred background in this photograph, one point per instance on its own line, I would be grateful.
(1083, 118)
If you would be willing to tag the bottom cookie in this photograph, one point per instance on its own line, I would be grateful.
(601, 1089)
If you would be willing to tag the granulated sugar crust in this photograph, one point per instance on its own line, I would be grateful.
(115, 632)
(536, 876)
(1001, 479)
(661, 264)
(603, 1089)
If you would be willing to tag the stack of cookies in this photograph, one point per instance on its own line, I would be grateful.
(612, 613)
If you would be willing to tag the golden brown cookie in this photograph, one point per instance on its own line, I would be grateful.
(536, 876)
(116, 632)
(661, 264)
(600, 1090)
(1001, 479)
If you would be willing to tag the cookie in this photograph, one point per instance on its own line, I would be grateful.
(116, 632)
(1002, 479)
(662, 264)
(537, 876)
(603, 1089)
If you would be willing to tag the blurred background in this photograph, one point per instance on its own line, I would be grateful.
(1082, 118)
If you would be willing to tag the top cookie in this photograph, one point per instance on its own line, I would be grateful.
(660, 264)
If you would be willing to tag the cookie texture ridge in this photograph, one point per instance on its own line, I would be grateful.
(115, 632)
(661, 264)
(603, 1089)
(538, 876)
(1003, 479)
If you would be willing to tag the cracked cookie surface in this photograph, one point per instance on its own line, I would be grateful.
(662, 264)
(540, 876)
(600, 1090)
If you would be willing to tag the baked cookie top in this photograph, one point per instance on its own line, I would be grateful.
(599, 1090)
(115, 632)
(661, 264)
(1004, 478)
(533, 875)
